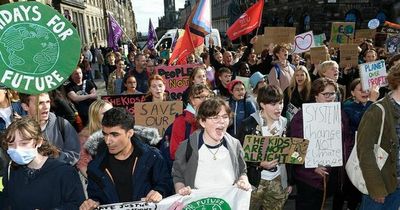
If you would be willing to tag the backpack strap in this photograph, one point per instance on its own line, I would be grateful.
(61, 125)
(277, 71)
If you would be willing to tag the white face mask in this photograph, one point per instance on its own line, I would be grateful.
(22, 156)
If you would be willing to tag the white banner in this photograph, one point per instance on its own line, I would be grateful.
(322, 126)
(231, 198)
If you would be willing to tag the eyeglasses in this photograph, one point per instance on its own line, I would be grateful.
(218, 118)
(329, 94)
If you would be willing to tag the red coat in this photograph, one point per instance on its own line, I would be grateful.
(179, 130)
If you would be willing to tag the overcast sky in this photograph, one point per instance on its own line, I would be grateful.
(145, 9)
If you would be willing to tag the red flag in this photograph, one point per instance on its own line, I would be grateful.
(247, 22)
(197, 26)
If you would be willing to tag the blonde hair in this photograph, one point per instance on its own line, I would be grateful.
(305, 92)
(94, 111)
(325, 66)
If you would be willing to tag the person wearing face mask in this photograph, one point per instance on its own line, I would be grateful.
(241, 105)
(268, 177)
(35, 180)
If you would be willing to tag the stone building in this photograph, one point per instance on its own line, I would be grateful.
(170, 18)
(319, 14)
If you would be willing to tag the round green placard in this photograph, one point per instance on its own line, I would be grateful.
(208, 204)
(39, 47)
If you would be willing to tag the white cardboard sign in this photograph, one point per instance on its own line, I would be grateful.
(303, 42)
(322, 126)
(373, 73)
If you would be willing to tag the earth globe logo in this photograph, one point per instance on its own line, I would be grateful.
(209, 203)
(29, 48)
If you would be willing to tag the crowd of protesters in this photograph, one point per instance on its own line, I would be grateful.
(117, 161)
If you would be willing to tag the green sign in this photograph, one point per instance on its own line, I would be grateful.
(208, 204)
(39, 48)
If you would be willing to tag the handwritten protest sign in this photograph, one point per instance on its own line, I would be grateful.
(373, 73)
(322, 126)
(287, 149)
(318, 55)
(303, 42)
(176, 78)
(348, 55)
(363, 34)
(157, 114)
(342, 33)
(255, 148)
(125, 101)
(319, 39)
(128, 206)
(393, 44)
(279, 35)
(39, 47)
(389, 30)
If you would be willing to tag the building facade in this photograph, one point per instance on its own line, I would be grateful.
(317, 15)
(170, 18)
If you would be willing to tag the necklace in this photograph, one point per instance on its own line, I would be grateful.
(214, 153)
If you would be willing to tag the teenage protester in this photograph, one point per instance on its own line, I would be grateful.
(185, 124)
(269, 177)
(297, 93)
(35, 180)
(197, 76)
(224, 78)
(241, 105)
(210, 158)
(57, 130)
(156, 91)
(125, 169)
(96, 112)
(310, 181)
(354, 108)
(383, 185)
(257, 81)
(282, 72)
(130, 84)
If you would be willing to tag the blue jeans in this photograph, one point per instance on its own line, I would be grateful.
(392, 202)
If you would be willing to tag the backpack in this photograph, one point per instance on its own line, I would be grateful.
(278, 70)
(165, 142)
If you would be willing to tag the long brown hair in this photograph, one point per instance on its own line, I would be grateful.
(29, 129)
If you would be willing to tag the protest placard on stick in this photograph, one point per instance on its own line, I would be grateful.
(342, 33)
(322, 126)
